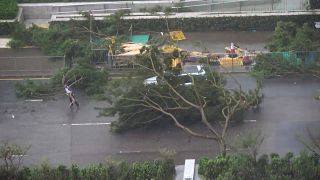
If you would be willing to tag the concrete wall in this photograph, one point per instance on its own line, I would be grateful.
(45, 10)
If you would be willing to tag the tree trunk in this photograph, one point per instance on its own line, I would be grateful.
(222, 147)
(166, 18)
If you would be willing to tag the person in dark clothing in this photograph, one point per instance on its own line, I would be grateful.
(71, 96)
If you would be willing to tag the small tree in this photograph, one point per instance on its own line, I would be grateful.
(249, 144)
(12, 155)
(311, 142)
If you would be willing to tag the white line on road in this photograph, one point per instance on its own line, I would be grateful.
(33, 100)
(19, 155)
(87, 124)
(253, 120)
(127, 152)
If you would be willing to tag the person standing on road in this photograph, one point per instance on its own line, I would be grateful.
(71, 96)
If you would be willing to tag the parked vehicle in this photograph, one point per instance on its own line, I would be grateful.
(183, 78)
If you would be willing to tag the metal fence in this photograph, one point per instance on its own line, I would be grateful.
(246, 5)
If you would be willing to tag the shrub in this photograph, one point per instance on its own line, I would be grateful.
(303, 166)
(8, 9)
(7, 28)
(158, 170)
(32, 89)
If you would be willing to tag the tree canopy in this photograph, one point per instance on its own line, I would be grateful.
(171, 101)
(289, 36)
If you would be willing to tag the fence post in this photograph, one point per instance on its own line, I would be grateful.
(110, 61)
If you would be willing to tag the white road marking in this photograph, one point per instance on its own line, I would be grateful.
(22, 79)
(33, 100)
(19, 155)
(253, 120)
(87, 124)
(127, 152)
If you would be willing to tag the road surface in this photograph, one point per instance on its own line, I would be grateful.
(64, 137)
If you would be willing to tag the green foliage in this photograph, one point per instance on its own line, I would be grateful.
(112, 25)
(285, 64)
(314, 4)
(155, 9)
(8, 9)
(83, 75)
(128, 99)
(303, 166)
(289, 36)
(11, 155)
(100, 97)
(132, 115)
(21, 37)
(50, 1)
(62, 39)
(193, 24)
(158, 170)
(92, 80)
(7, 28)
(33, 89)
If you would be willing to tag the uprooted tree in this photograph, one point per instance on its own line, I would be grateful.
(205, 100)
(293, 52)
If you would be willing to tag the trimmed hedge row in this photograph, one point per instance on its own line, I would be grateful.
(303, 166)
(157, 170)
(6, 27)
(260, 23)
(8, 9)
(50, 1)
(314, 4)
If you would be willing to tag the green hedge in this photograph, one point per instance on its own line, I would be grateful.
(219, 23)
(6, 28)
(8, 9)
(314, 4)
(260, 23)
(157, 170)
(50, 1)
(303, 166)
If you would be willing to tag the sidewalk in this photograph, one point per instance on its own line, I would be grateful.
(4, 42)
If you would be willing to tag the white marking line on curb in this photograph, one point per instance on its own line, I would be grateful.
(253, 120)
(33, 100)
(86, 124)
(127, 152)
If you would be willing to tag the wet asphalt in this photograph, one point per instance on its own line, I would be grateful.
(287, 111)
